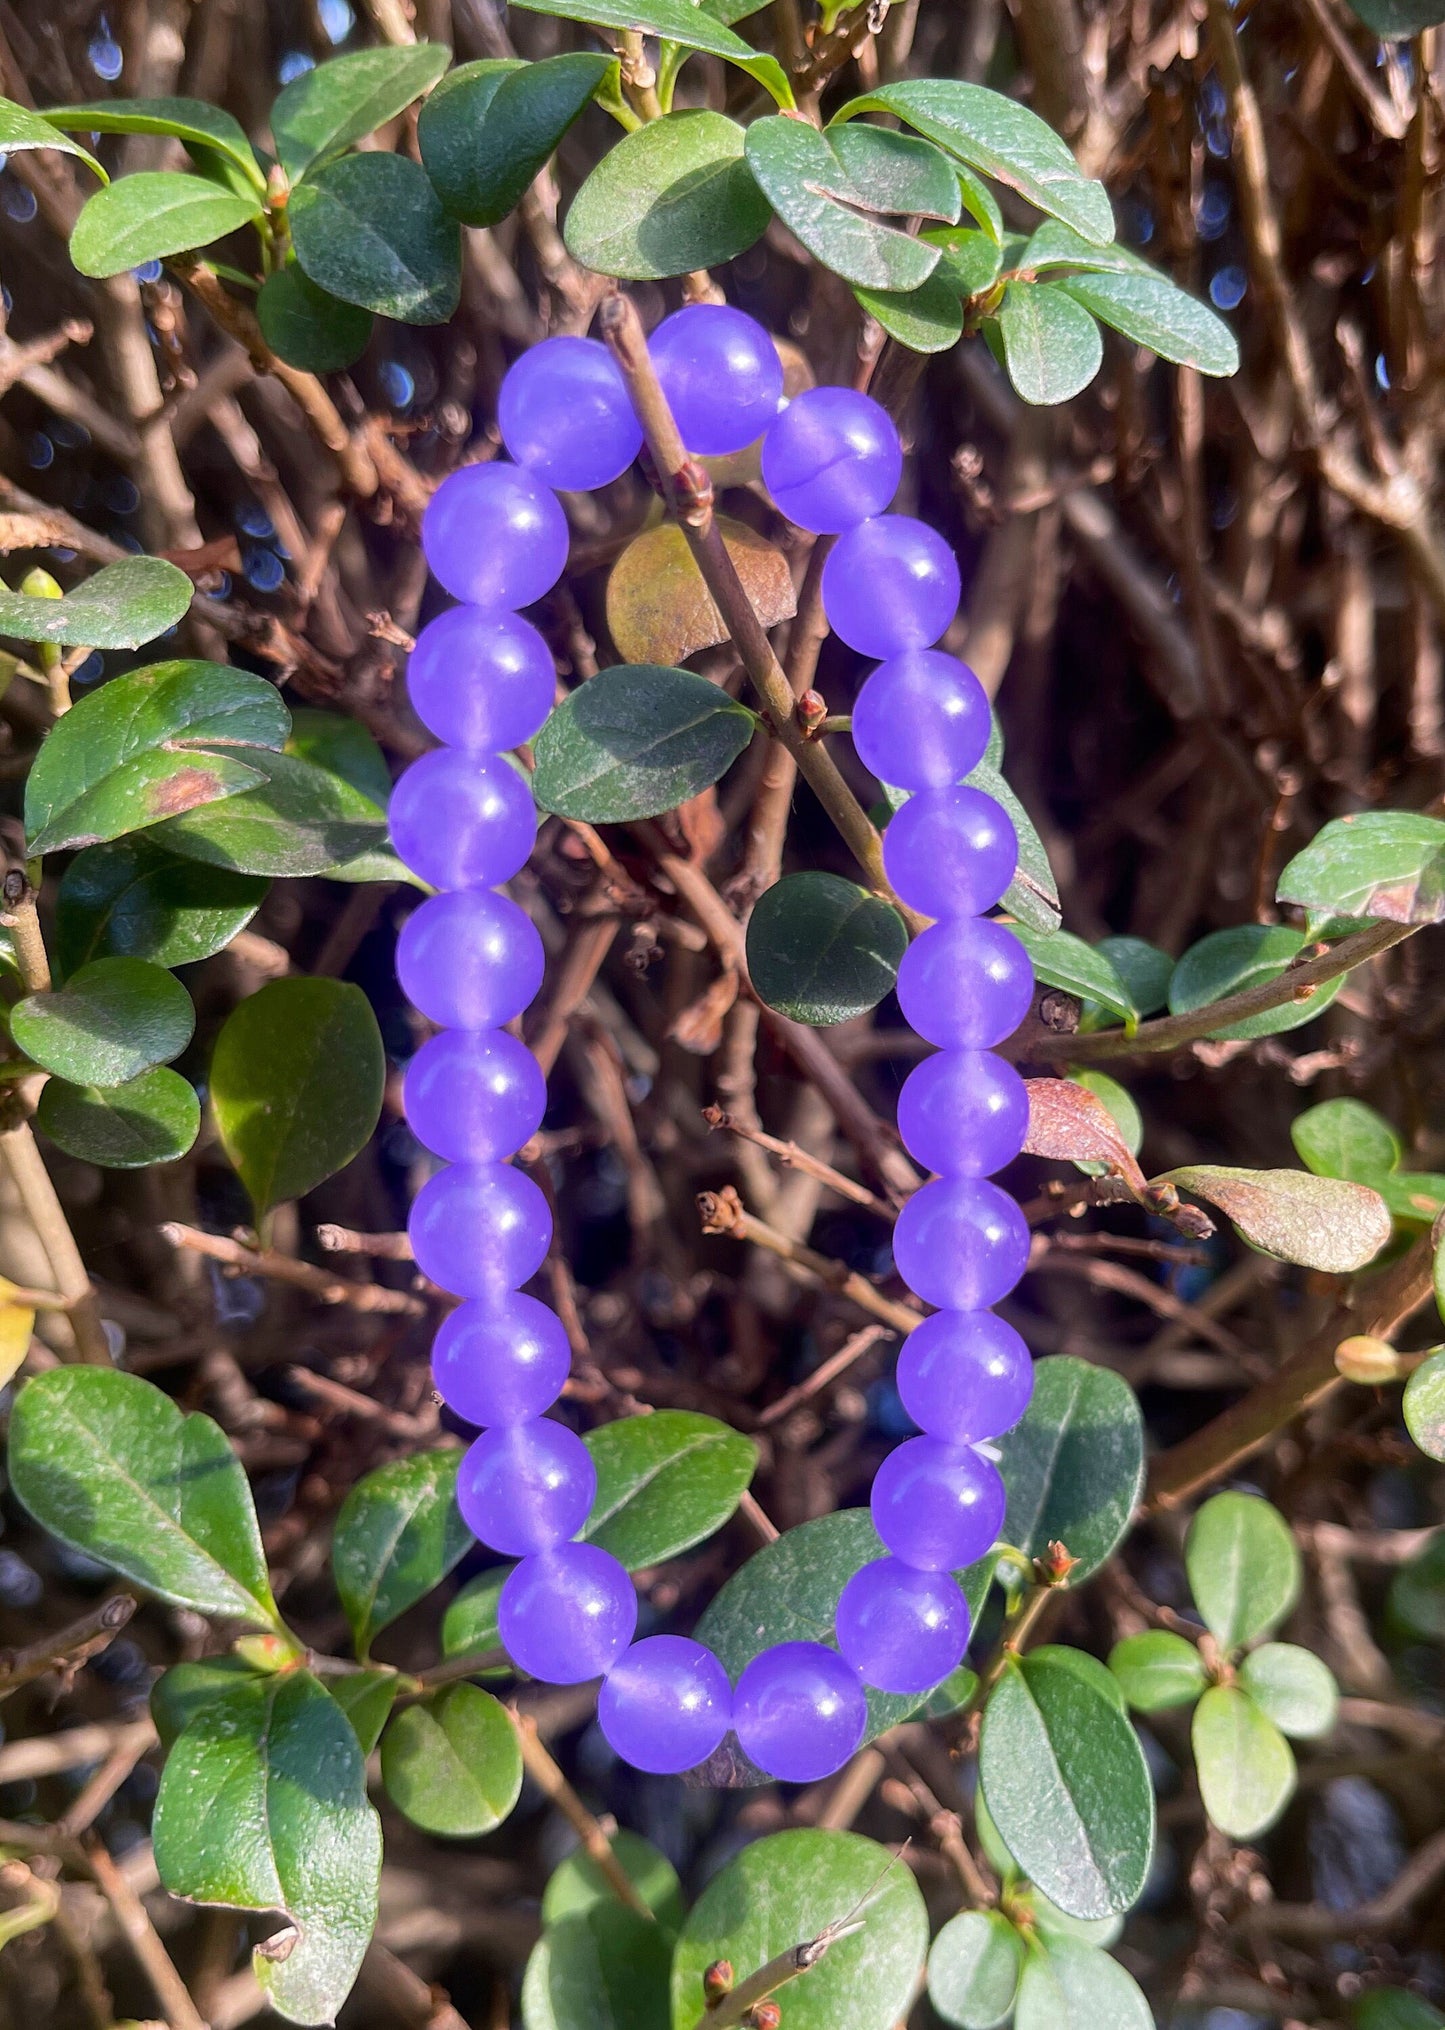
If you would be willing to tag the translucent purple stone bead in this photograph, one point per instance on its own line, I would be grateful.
(938, 1507)
(495, 536)
(902, 1630)
(831, 459)
(478, 1229)
(950, 852)
(966, 984)
(961, 1243)
(526, 1488)
(473, 1096)
(565, 414)
(963, 1113)
(481, 680)
(567, 1615)
(470, 960)
(889, 585)
(721, 374)
(921, 721)
(463, 820)
(665, 1705)
(799, 1711)
(964, 1375)
(501, 1361)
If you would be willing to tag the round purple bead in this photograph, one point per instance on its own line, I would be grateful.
(501, 1361)
(961, 1243)
(567, 1615)
(964, 1375)
(937, 1506)
(565, 414)
(495, 536)
(799, 1711)
(665, 1705)
(469, 960)
(964, 1113)
(526, 1487)
(890, 584)
(481, 680)
(965, 985)
(721, 374)
(473, 1096)
(949, 852)
(832, 459)
(902, 1630)
(463, 820)
(921, 721)
(478, 1229)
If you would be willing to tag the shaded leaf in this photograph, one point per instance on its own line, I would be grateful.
(491, 126)
(659, 609)
(366, 1698)
(151, 1119)
(821, 949)
(679, 21)
(296, 819)
(1074, 1464)
(1393, 2008)
(1247, 955)
(636, 741)
(1143, 968)
(974, 1966)
(1033, 894)
(1063, 960)
(452, 1762)
(1417, 1592)
(812, 192)
(469, 1626)
(1075, 1986)
(179, 1693)
(1157, 1670)
(1246, 1769)
(152, 214)
(1424, 1406)
(119, 606)
(969, 261)
(1387, 864)
(926, 319)
(370, 229)
(111, 1021)
(1292, 1688)
(328, 107)
(664, 1483)
(1151, 311)
(398, 1533)
(675, 196)
(578, 1884)
(1051, 344)
(342, 746)
(1320, 1222)
(1345, 1138)
(1244, 1568)
(596, 1970)
(134, 899)
(202, 127)
(1396, 21)
(308, 328)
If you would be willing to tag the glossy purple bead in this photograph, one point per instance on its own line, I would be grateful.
(495, 536)
(902, 1630)
(502, 1360)
(526, 1488)
(665, 1705)
(964, 1375)
(937, 1506)
(890, 584)
(965, 985)
(463, 820)
(949, 852)
(921, 721)
(721, 374)
(831, 459)
(567, 1615)
(481, 679)
(469, 960)
(479, 1229)
(964, 1113)
(799, 1711)
(961, 1243)
(565, 414)
(473, 1096)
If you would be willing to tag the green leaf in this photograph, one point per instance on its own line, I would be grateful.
(1320, 1222)
(294, 819)
(1293, 1688)
(577, 1884)
(133, 899)
(1248, 955)
(674, 196)
(120, 606)
(179, 1693)
(1148, 309)
(1074, 1464)
(1424, 1405)
(342, 745)
(1120, 1106)
(1074, 1986)
(1393, 2008)
(147, 745)
(111, 1021)
(366, 1698)
(598, 1970)
(895, 172)
(491, 126)
(810, 189)
(980, 202)
(152, 214)
(1053, 1923)
(974, 1967)
(664, 1483)
(296, 1083)
(1417, 1592)
(789, 1887)
(308, 328)
(151, 1119)
(636, 741)
(324, 110)
(370, 229)
(1051, 345)
(1246, 1768)
(1065, 1779)
(21, 129)
(1144, 970)
(263, 1806)
(1033, 894)
(1397, 21)
(452, 1762)
(927, 319)
(969, 260)
(1387, 864)
(469, 1626)
(1157, 1670)
(1345, 1138)
(1000, 138)
(821, 949)
(1244, 1568)
(1063, 960)
(204, 128)
(679, 21)
(108, 1464)
(398, 1533)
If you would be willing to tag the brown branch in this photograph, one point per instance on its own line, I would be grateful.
(795, 1158)
(143, 1939)
(549, 1779)
(67, 1648)
(827, 1371)
(279, 1268)
(722, 1212)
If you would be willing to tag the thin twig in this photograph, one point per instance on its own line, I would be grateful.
(279, 1268)
(548, 1777)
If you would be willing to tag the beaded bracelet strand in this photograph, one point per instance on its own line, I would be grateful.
(481, 678)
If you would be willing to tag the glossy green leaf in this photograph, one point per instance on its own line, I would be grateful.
(1417, 1592)
(787, 1888)
(1387, 864)
(491, 126)
(821, 949)
(327, 108)
(120, 606)
(20, 129)
(1063, 960)
(1244, 1568)
(333, 741)
(111, 1021)
(1424, 1406)
(1143, 968)
(664, 1482)
(469, 1626)
(152, 214)
(599, 1969)
(636, 741)
(299, 819)
(578, 1884)
(133, 899)
(366, 1698)
(897, 172)
(1065, 1779)
(452, 1762)
(969, 259)
(1246, 1768)
(1074, 1464)
(146, 745)
(107, 1463)
(926, 319)
(179, 1693)
(398, 1533)
(980, 203)
(1075, 1986)
(678, 21)
(307, 327)
(809, 187)
(1051, 344)
(1393, 2008)
(1157, 1670)
(1293, 1688)
(296, 1083)
(1151, 311)
(154, 1118)
(674, 196)
(1247, 955)
(263, 1806)
(203, 128)
(1319, 1222)
(974, 1967)
(1345, 1138)
(371, 230)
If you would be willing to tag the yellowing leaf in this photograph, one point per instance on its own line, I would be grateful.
(658, 608)
(17, 1322)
